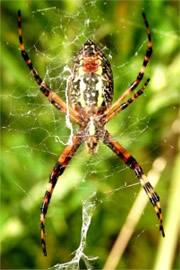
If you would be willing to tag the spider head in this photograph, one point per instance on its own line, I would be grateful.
(91, 137)
(92, 145)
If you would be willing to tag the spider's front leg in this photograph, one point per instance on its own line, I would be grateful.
(56, 172)
(115, 108)
(126, 157)
(51, 95)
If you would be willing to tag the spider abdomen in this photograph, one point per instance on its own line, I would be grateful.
(92, 80)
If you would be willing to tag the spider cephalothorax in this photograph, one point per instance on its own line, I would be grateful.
(91, 93)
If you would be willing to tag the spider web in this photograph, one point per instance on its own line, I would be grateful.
(88, 207)
(49, 128)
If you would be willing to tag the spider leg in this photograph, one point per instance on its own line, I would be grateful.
(128, 91)
(56, 172)
(128, 102)
(51, 95)
(130, 161)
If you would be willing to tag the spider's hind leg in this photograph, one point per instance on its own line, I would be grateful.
(126, 157)
(153, 196)
(56, 172)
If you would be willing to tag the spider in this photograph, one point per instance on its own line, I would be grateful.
(91, 93)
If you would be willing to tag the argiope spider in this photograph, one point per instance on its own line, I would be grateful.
(91, 93)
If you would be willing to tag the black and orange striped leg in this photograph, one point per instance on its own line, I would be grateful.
(108, 114)
(130, 100)
(51, 95)
(146, 58)
(126, 157)
(56, 172)
(135, 96)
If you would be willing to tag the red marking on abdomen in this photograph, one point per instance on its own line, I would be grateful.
(90, 64)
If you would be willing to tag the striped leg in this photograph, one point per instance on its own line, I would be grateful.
(51, 95)
(130, 100)
(108, 113)
(126, 157)
(56, 172)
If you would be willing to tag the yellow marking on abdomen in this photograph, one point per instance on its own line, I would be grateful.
(99, 71)
(99, 88)
(82, 88)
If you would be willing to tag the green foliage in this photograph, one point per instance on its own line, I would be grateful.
(34, 133)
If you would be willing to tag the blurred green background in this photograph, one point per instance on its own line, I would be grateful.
(34, 133)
